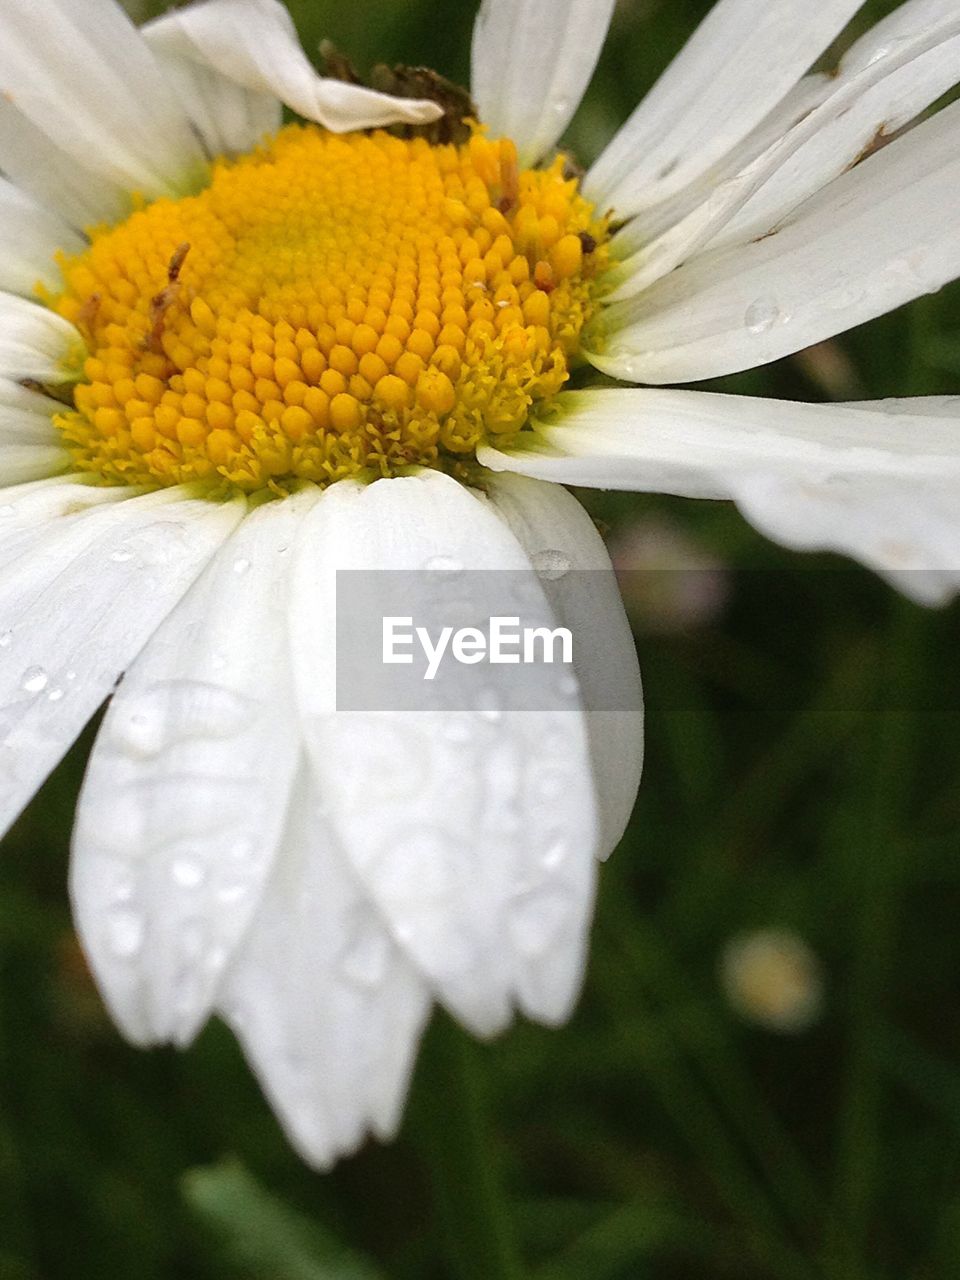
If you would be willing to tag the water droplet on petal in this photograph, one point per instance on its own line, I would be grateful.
(122, 554)
(554, 854)
(241, 566)
(536, 918)
(187, 873)
(568, 685)
(34, 680)
(55, 695)
(232, 892)
(446, 563)
(550, 564)
(489, 706)
(762, 315)
(125, 931)
(6, 639)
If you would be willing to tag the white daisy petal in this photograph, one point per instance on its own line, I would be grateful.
(470, 823)
(882, 109)
(327, 1007)
(30, 445)
(31, 235)
(547, 519)
(741, 61)
(54, 178)
(531, 63)
(650, 224)
(32, 508)
(35, 342)
(882, 487)
(183, 804)
(255, 44)
(229, 117)
(22, 408)
(21, 463)
(922, 406)
(77, 608)
(46, 523)
(80, 72)
(875, 238)
(851, 99)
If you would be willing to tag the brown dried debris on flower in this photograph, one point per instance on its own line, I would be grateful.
(410, 82)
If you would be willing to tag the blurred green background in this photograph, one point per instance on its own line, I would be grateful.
(713, 1112)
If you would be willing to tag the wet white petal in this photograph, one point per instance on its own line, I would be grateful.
(883, 108)
(76, 607)
(650, 224)
(741, 61)
(880, 486)
(80, 72)
(48, 516)
(34, 342)
(545, 518)
(532, 61)
(31, 236)
(850, 99)
(471, 824)
(255, 44)
(880, 235)
(185, 795)
(230, 118)
(327, 1007)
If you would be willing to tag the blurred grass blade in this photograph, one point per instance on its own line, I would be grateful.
(262, 1236)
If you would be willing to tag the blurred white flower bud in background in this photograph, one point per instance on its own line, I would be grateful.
(771, 977)
(668, 581)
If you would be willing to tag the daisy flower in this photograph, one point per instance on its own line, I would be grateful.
(237, 356)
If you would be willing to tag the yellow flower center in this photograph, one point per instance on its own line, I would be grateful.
(328, 306)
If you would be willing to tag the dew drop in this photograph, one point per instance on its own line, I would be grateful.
(122, 554)
(125, 930)
(550, 565)
(232, 892)
(568, 685)
(449, 564)
(241, 566)
(187, 873)
(34, 680)
(536, 918)
(489, 706)
(554, 854)
(55, 695)
(6, 639)
(762, 315)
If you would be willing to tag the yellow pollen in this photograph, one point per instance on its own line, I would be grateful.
(330, 305)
